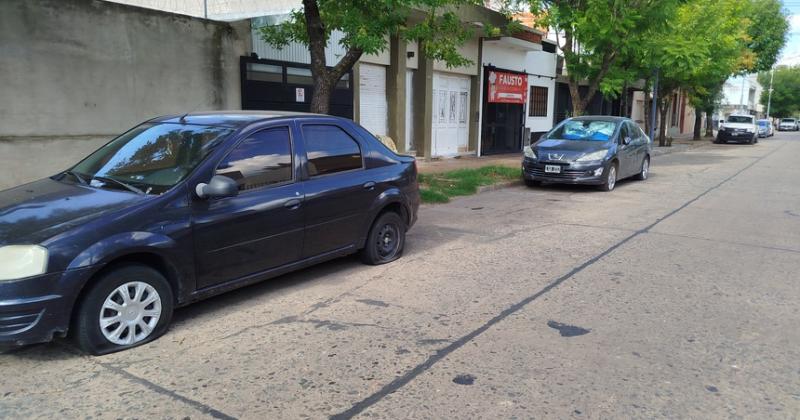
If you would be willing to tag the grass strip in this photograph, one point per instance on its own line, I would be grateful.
(439, 188)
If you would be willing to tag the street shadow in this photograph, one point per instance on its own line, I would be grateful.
(329, 271)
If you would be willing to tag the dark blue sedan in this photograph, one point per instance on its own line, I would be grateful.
(591, 150)
(181, 208)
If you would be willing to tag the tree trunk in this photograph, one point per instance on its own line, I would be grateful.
(647, 109)
(698, 122)
(578, 103)
(664, 105)
(710, 122)
(324, 79)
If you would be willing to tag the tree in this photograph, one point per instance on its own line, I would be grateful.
(600, 39)
(786, 91)
(366, 26)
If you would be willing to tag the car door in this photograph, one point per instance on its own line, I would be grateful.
(339, 190)
(627, 152)
(262, 227)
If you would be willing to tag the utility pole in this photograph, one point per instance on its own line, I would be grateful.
(653, 108)
(741, 97)
(769, 97)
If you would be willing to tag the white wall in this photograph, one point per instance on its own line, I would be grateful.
(468, 50)
(541, 69)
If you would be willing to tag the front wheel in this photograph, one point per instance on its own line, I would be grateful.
(611, 179)
(645, 170)
(127, 307)
(386, 240)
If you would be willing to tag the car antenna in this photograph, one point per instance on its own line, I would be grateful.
(182, 119)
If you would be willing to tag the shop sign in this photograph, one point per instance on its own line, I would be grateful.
(507, 88)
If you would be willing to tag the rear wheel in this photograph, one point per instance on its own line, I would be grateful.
(611, 179)
(127, 307)
(386, 240)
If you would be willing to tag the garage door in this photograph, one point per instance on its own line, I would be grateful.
(373, 107)
(451, 114)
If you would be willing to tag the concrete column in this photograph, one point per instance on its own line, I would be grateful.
(356, 92)
(396, 92)
(475, 105)
(423, 106)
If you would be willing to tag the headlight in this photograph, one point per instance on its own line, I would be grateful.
(20, 261)
(598, 155)
(529, 152)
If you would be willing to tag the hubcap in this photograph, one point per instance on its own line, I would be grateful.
(388, 240)
(130, 313)
(645, 168)
(612, 177)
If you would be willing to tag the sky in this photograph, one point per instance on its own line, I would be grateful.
(791, 52)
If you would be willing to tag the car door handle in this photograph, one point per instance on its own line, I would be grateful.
(369, 185)
(292, 204)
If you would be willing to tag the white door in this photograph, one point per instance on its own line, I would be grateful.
(409, 110)
(373, 107)
(450, 114)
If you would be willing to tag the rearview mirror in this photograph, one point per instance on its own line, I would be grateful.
(219, 186)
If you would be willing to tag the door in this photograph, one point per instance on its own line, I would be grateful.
(627, 152)
(451, 111)
(409, 111)
(338, 191)
(262, 227)
(373, 106)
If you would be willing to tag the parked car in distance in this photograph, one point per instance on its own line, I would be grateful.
(788, 124)
(181, 208)
(590, 150)
(738, 128)
(765, 128)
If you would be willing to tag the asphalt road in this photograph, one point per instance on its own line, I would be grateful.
(678, 297)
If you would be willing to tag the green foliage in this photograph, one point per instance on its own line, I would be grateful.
(439, 188)
(366, 26)
(786, 91)
(767, 32)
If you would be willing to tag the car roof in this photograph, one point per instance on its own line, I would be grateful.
(233, 119)
(600, 118)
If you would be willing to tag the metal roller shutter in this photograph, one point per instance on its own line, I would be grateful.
(373, 106)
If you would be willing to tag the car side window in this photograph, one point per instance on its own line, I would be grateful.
(262, 159)
(330, 150)
(623, 132)
(634, 131)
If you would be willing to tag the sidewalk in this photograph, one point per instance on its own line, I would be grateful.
(681, 143)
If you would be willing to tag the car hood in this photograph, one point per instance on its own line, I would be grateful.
(787, 123)
(34, 212)
(570, 149)
(739, 125)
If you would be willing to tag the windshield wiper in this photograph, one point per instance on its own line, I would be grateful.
(118, 182)
(77, 176)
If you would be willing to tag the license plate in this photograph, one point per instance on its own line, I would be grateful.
(552, 169)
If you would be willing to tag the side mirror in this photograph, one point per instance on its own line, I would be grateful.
(219, 186)
(626, 140)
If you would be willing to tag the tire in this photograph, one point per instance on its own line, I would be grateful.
(130, 331)
(611, 179)
(386, 240)
(644, 172)
(532, 183)
(717, 141)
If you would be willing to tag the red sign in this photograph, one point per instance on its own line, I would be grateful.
(508, 88)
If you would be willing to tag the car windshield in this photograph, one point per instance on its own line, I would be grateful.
(787, 120)
(740, 119)
(593, 130)
(149, 159)
(763, 123)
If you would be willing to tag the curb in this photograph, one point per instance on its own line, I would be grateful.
(499, 186)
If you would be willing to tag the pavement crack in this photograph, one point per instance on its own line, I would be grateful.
(197, 405)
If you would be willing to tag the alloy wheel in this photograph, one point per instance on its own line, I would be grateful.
(645, 168)
(612, 177)
(130, 313)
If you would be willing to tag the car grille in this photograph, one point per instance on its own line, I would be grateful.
(14, 322)
(565, 173)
